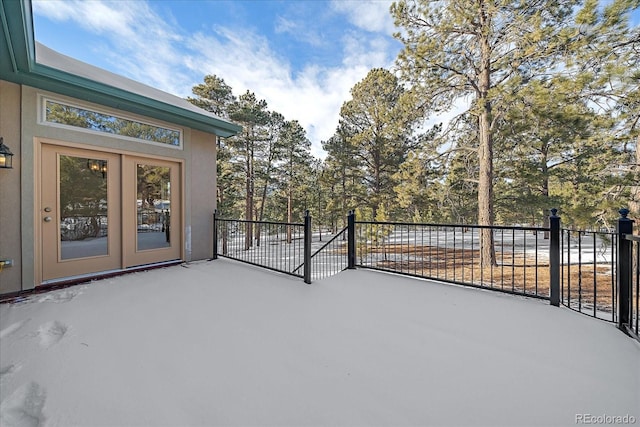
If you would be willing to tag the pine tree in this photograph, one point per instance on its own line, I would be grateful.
(343, 178)
(253, 115)
(483, 49)
(378, 124)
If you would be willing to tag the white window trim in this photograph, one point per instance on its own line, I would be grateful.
(42, 120)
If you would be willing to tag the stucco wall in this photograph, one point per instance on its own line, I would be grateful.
(203, 184)
(10, 225)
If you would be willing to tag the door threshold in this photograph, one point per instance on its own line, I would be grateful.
(65, 282)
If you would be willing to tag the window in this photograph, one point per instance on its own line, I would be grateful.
(69, 115)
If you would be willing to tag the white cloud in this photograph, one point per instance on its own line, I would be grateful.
(313, 96)
(299, 31)
(140, 44)
(137, 43)
(370, 15)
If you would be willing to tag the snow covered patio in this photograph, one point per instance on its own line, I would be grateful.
(222, 343)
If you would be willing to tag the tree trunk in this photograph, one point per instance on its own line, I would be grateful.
(485, 152)
(225, 233)
(248, 212)
(485, 194)
(290, 199)
(344, 197)
(260, 214)
(376, 199)
(267, 181)
(258, 232)
(545, 190)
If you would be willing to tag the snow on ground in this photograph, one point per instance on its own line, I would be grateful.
(221, 343)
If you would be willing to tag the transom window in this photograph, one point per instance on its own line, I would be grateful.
(70, 115)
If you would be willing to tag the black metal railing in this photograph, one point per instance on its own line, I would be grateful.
(588, 277)
(453, 253)
(330, 258)
(278, 246)
(80, 227)
(153, 221)
(634, 288)
(628, 276)
(291, 248)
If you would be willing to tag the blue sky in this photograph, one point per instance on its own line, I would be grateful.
(301, 56)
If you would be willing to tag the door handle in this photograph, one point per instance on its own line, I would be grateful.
(47, 219)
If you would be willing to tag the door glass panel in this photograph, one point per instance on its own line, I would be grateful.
(154, 207)
(83, 207)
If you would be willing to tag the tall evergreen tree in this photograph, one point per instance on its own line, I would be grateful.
(378, 123)
(607, 64)
(216, 96)
(252, 114)
(343, 179)
(482, 49)
(296, 164)
(545, 129)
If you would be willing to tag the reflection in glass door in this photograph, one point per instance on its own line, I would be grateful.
(79, 211)
(151, 203)
(84, 225)
(153, 207)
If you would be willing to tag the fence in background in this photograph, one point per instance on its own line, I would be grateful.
(80, 227)
(277, 246)
(594, 273)
(453, 253)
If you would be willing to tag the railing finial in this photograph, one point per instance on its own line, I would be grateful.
(623, 212)
(554, 212)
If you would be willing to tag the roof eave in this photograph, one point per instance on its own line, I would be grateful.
(132, 102)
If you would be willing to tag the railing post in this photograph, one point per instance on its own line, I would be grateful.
(167, 228)
(351, 240)
(554, 258)
(307, 247)
(625, 226)
(215, 234)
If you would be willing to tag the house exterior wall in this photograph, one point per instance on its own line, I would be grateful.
(23, 130)
(10, 207)
(203, 184)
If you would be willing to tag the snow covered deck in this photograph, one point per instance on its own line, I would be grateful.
(222, 343)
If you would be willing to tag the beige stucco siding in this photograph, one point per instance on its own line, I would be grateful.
(10, 224)
(203, 188)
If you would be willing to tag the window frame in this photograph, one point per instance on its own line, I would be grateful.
(42, 119)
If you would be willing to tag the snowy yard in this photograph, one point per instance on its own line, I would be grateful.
(221, 343)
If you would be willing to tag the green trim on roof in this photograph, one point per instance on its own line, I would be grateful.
(18, 64)
(17, 35)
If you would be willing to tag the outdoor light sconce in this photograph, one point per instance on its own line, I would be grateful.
(6, 156)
